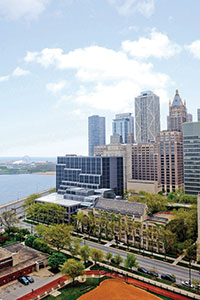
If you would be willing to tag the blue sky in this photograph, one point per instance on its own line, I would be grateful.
(63, 60)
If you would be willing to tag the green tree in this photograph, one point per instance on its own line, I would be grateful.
(30, 200)
(79, 220)
(29, 240)
(73, 268)
(109, 256)
(85, 253)
(8, 219)
(46, 212)
(130, 261)
(118, 259)
(56, 260)
(75, 246)
(97, 255)
(58, 236)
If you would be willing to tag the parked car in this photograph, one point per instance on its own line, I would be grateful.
(30, 279)
(142, 270)
(187, 284)
(23, 280)
(152, 273)
(168, 277)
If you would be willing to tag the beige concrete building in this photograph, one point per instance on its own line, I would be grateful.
(170, 160)
(122, 150)
(177, 113)
(140, 165)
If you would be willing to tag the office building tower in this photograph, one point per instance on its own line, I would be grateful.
(123, 125)
(198, 114)
(191, 157)
(170, 160)
(177, 113)
(147, 117)
(89, 172)
(189, 117)
(96, 133)
(140, 165)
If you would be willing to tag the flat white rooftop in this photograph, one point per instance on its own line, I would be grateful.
(58, 199)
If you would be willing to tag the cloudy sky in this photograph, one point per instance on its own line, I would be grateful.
(63, 60)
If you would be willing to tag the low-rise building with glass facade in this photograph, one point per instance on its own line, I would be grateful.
(90, 173)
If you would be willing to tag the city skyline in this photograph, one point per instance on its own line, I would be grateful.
(60, 64)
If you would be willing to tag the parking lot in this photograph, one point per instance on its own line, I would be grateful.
(15, 289)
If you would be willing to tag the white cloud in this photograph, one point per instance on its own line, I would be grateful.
(55, 87)
(20, 72)
(4, 78)
(16, 9)
(158, 45)
(108, 79)
(194, 48)
(127, 7)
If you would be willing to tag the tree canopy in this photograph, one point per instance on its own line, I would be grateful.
(58, 236)
(46, 212)
(73, 268)
(8, 219)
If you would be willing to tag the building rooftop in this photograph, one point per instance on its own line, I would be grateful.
(4, 253)
(121, 206)
(57, 199)
(27, 257)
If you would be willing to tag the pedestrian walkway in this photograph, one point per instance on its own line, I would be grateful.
(178, 259)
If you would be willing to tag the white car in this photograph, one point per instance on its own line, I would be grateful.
(187, 284)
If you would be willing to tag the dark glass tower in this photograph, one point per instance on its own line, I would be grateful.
(191, 154)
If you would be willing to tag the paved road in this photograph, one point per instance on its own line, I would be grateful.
(162, 267)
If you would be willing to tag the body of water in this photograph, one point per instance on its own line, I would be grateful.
(13, 187)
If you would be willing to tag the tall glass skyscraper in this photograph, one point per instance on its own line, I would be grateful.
(96, 132)
(123, 125)
(191, 157)
(147, 117)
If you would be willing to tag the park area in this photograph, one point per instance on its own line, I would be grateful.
(109, 289)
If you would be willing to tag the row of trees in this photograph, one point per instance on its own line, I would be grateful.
(177, 235)
(74, 268)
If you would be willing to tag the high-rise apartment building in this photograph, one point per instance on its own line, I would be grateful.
(170, 160)
(123, 125)
(198, 114)
(177, 113)
(96, 132)
(89, 172)
(147, 117)
(191, 156)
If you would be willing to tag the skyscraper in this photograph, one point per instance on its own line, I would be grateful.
(96, 133)
(198, 114)
(177, 113)
(170, 160)
(123, 125)
(191, 157)
(147, 117)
